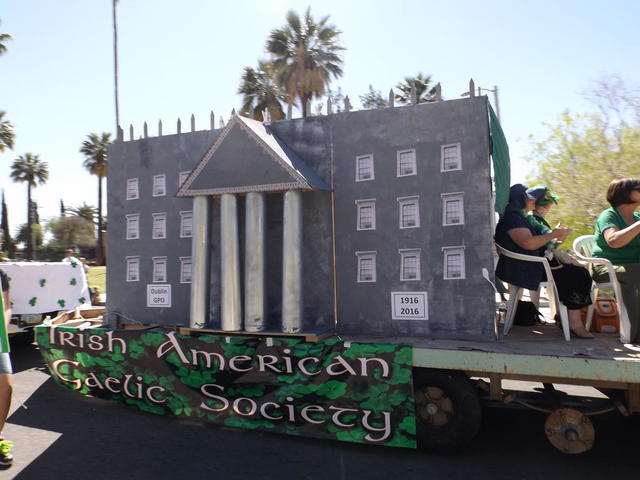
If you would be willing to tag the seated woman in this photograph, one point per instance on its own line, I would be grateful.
(618, 239)
(514, 232)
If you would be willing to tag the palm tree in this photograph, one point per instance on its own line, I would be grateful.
(95, 149)
(424, 91)
(4, 37)
(6, 134)
(88, 212)
(260, 91)
(305, 54)
(28, 168)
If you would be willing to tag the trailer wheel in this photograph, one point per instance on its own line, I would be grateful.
(448, 410)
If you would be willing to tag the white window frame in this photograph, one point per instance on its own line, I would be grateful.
(414, 169)
(187, 214)
(131, 261)
(459, 159)
(406, 253)
(159, 268)
(448, 251)
(160, 221)
(133, 189)
(159, 185)
(405, 201)
(132, 226)
(365, 158)
(184, 261)
(364, 256)
(448, 198)
(360, 204)
(182, 177)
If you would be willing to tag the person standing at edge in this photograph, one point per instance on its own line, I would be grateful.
(6, 377)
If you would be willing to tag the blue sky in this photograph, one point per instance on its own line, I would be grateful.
(179, 58)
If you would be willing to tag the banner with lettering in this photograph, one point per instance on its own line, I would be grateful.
(354, 392)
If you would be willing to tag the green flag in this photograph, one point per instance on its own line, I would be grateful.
(501, 162)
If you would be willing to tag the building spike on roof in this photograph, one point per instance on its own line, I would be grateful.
(212, 119)
(130, 131)
(159, 128)
(145, 130)
(221, 122)
(178, 127)
(414, 95)
(472, 88)
(233, 112)
(266, 116)
(319, 109)
(120, 134)
(392, 98)
(347, 104)
(289, 111)
(329, 106)
(193, 123)
(438, 92)
(308, 107)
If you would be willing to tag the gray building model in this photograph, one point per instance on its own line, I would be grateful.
(372, 223)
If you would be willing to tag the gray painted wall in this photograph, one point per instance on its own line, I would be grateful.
(461, 308)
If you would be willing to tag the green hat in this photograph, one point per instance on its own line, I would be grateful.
(542, 195)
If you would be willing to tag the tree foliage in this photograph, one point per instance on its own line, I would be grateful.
(71, 231)
(425, 92)
(372, 99)
(260, 91)
(36, 232)
(305, 55)
(581, 153)
(7, 134)
(29, 169)
(96, 162)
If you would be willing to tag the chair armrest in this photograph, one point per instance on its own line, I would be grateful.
(520, 256)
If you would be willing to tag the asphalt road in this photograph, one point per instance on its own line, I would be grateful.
(61, 434)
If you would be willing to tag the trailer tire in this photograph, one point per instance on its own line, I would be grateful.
(448, 410)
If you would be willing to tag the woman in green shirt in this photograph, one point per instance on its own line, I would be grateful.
(618, 239)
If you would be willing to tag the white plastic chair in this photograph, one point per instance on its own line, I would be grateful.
(515, 292)
(583, 248)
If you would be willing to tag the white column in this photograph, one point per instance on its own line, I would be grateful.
(230, 264)
(199, 262)
(254, 263)
(292, 263)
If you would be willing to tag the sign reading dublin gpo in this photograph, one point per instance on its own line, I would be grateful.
(356, 393)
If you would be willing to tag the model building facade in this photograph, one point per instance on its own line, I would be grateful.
(374, 222)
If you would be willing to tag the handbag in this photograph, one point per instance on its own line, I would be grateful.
(527, 314)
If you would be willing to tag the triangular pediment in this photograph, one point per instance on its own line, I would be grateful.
(248, 157)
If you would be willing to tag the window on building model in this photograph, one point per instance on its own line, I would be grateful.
(133, 191)
(366, 266)
(406, 161)
(364, 168)
(451, 157)
(366, 218)
(453, 263)
(133, 226)
(409, 212)
(159, 269)
(159, 226)
(133, 269)
(409, 264)
(185, 269)
(159, 185)
(186, 224)
(452, 209)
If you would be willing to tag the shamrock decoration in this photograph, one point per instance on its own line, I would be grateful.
(74, 264)
(62, 303)
(73, 281)
(82, 300)
(32, 302)
(43, 282)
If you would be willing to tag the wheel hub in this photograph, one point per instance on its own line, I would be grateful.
(434, 406)
(569, 431)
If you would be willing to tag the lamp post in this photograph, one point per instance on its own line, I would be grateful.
(495, 97)
(480, 90)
